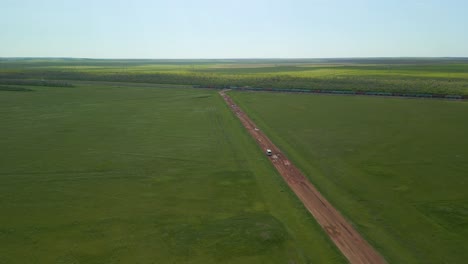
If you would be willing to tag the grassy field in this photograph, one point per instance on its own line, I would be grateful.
(116, 174)
(397, 168)
(120, 161)
(444, 76)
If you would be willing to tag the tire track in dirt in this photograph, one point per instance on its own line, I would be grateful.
(346, 238)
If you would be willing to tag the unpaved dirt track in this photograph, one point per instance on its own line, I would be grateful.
(343, 234)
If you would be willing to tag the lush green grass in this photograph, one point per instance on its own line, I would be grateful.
(447, 76)
(397, 168)
(108, 174)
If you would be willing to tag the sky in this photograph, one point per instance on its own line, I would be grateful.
(233, 29)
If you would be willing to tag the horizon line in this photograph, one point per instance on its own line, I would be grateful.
(238, 58)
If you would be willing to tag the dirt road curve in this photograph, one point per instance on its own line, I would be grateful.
(346, 238)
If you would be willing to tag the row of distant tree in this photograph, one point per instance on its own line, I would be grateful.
(356, 83)
(32, 82)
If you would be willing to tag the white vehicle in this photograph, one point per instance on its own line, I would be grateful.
(268, 152)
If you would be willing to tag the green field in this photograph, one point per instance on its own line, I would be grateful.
(396, 168)
(117, 174)
(121, 161)
(407, 75)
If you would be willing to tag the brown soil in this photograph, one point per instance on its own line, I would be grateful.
(346, 238)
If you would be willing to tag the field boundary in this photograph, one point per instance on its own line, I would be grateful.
(351, 244)
(454, 97)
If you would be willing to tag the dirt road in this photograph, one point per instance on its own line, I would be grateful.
(345, 237)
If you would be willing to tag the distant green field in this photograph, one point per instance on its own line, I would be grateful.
(443, 76)
(397, 168)
(108, 174)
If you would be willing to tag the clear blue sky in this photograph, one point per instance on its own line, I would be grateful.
(233, 29)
